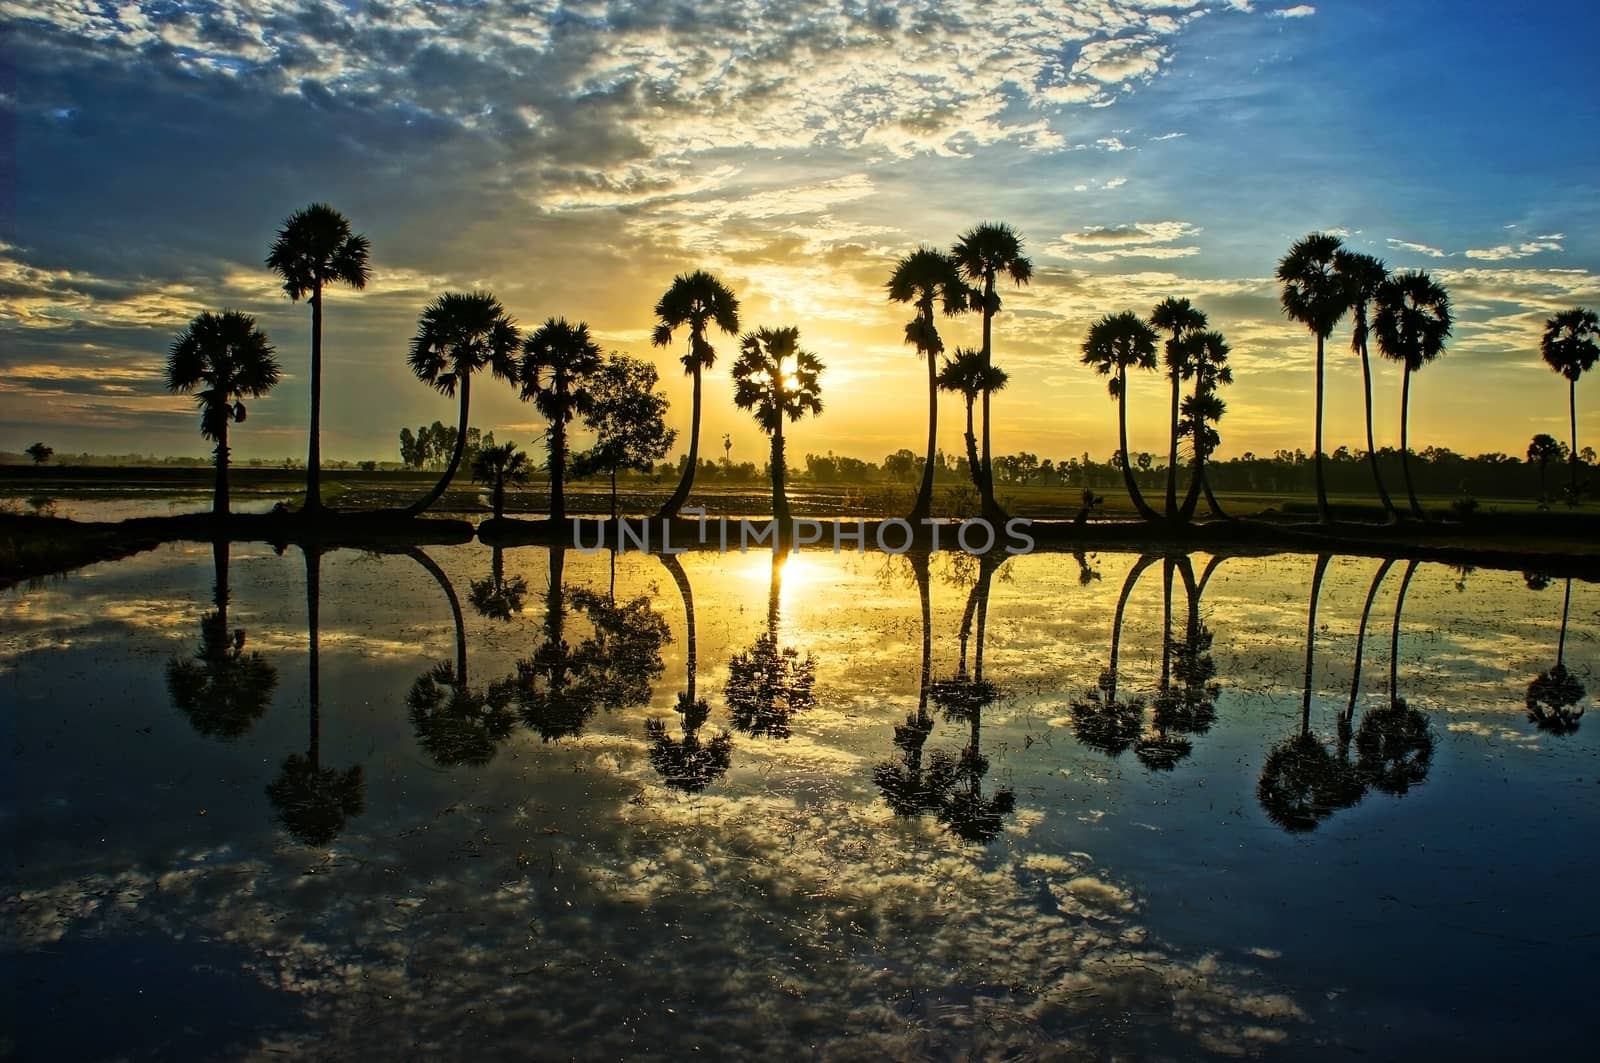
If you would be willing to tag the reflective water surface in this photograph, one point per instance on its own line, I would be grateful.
(467, 803)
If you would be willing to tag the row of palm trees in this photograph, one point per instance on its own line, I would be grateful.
(223, 358)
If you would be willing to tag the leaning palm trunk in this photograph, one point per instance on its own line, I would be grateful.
(1134, 573)
(1372, 451)
(686, 592)
(680, 494)
(434, 495)
(1311, 639)
(456, 617)
(1405, 449)
(1122, 436)
(1361, 637)
(923, 507)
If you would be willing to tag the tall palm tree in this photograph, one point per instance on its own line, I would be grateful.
(498, 466)
(1569, 347)
(1543, 449)
(924, 277)
(1112, 345)
(222, 690)
(1363, 275)
(559, 361)
(1316, 296)
(966, 375)
(1182, 321)
(315, 248)
(1208, 364)
(699, 301)
(983, 253)
(227, 357)
(1412, 320)
(765, 385)
(457, 335)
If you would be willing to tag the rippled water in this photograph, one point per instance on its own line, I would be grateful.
(467, 804)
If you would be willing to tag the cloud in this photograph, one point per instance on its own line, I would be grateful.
(1145, 239)
(1526, 249)
(1168, 136)
(1420, 249)
(1116, 182)
(1297, 11)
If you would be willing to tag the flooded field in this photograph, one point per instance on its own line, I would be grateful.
(464, 803)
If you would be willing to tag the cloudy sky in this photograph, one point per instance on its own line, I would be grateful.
(572, 157)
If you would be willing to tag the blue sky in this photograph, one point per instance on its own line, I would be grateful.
(573, 157)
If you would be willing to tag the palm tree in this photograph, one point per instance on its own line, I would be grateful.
(966, 375)
(315, 248)
(1113, 344)
(698, 300)
(1542, 449)
(228, 357)
(222, 690)
(983, 253)
(1412, 320)
(922, 277)
(558, 362)
(498, 466)
(764, 385)
(1208, 364)
(1181, 321)
(1363, 275)
(1569, 347)
(1316, 296)
(457, 335)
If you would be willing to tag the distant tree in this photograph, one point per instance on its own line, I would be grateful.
(313, 249)
(228, 358)
(773, 392)
(699, 301)
(40, 453)
(1363, 275)
(1114, 344)
(968, 375)
(559, 363)
(1569, 347)
(1542, 450)
(458, 335)
(1412, 320)
(1316, 296)
(628, 417)
(924, 277)
(983, 253)
(498, 466)
(1181, 320)
(367, 466)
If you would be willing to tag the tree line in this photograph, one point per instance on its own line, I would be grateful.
(223, 359)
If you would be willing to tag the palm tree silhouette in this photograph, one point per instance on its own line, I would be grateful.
(558, 363)
(1569, 347)
(227, 357)
(966, 375)
(1186, 700)
(313, 249)
(551, 687)
(983, 253)
(1099, 720)
(1555, 698)
(1542, 449)
(1182, 321)
(454, 723)
(222, 690)
(1315, 295)
(1363, 275)
(764, 385)
(699, 301)
(1394, 745)
(688, 764)
(623, 656)
(498, 466)
(922, 277)
(1207, 362)
(459, 334)
(313, 803)
(1112, 345)
(768, 682)
(907, 786)
(1412, 320)
(497, 598)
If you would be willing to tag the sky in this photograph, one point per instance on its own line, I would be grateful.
(573, 157)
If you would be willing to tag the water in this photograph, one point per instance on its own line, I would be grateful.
(224, 846)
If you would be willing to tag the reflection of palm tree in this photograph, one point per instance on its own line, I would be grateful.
(769, 683)
(1188, 706)
(1394, 745)
(1099, 720)
(454, 723)
(497, 598)
(222, 689)
(688, 764)
(906, 786)
(1555, 698)
(314, 802)
(548, 686)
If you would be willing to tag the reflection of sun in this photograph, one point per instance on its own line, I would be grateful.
(798, 572)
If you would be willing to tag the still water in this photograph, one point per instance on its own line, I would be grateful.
(463, 803)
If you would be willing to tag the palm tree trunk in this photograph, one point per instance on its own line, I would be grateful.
(219, 500)
(219, 586)
(456, 618)
(558, 464)
(680, 494)
(1405, 448)
(986, 570)
(923, 507)
(919, 569)
(974, 465)
(1311, 639)
(686, 592)
(780, 503)
(1134, 573)
(1572, 413)
(1372, 453)
(1394, 637)
(1566, 607)
(1168, 570)
(455, 455)
(313, 501)
(1323, 513)
(1122, 436)
(986, 477)
(1361, 637)
(613, 493)
(1172, 455)
(1211, 499)
(313, 558)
